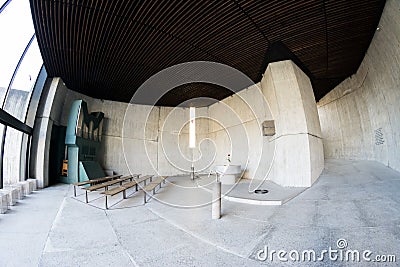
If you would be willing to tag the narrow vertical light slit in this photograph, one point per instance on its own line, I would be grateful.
(192, 128)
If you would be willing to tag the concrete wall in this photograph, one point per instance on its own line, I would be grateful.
(235, 129)
(299, 156)
(49, 112)
(154, 140)
(145, 139)
(294, 155)
(360, 117)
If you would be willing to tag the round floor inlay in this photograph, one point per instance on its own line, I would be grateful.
(261, 191)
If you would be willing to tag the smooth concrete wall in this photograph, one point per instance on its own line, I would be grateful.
(360, 117)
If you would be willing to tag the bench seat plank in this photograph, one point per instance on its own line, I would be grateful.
(150, 187)
(98, 180)
(114, 191)
(157, 181)
(102, 185)
(129, 177)
(130, 184)
(95, 181)
(141, 179)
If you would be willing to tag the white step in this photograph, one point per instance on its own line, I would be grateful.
(26, 188)
(20, 190)
(3, 203)
(13, 194)
(32, 184)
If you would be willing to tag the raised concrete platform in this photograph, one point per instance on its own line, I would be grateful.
(243, 191)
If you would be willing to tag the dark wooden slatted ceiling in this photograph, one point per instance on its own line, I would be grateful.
(108, 48)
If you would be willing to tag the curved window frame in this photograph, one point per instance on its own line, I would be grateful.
(24, 126)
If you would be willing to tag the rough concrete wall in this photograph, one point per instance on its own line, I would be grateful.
(174, 154)
(235, 128)
(360, 117)
(145, 139)
(299, 158)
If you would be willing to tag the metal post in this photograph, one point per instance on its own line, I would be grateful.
(216, 201)
(192, 173)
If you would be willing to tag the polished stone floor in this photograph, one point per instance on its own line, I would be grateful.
(355, 202)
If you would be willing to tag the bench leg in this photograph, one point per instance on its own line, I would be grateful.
(144, 197)
(86, 197)
(106, 203)
(74, 191)
(151, 179)
(124, 194)
(144, 182)
(154, 191)
(136, 188)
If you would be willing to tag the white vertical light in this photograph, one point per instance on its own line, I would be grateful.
(192, 128)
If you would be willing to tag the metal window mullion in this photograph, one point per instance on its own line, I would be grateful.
(2, 156)
(33, 91)
(28, 156)
(4, 5)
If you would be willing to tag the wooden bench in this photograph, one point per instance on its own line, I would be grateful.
(129, 177)
(95, 181)
(107, 184)
(126, 186)
(144, 179)
(152, 187)
(114, 191)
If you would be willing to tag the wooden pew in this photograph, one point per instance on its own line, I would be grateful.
(152, 187)
(126, 186)
(95, 181)
(107, 184)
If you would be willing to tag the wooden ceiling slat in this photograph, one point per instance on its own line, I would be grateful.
(108, 48)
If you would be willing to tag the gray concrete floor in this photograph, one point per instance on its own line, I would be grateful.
(353, 200)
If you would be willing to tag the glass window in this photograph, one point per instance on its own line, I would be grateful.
(16, 29)
(18, 97)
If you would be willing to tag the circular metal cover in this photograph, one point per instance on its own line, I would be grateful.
(260, 191)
